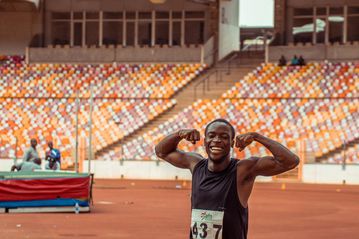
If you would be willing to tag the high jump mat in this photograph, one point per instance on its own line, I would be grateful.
(45, 191)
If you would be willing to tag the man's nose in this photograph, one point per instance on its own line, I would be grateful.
(216, 139)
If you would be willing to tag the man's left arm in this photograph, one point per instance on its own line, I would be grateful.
(282, 160)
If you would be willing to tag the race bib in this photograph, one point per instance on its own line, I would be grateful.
(206, 224)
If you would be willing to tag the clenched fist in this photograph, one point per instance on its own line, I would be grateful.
(191, 135)
(243, 140)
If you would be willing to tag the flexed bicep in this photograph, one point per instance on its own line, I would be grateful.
(267, 166)
(168, 150)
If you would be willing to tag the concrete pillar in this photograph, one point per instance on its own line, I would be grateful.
(183, 29)
(72, 29)
(153, 28)
(290, 16)
(314, 38)
(136, 29)
(327, 27)
(100, 29)
(83, 29)
(124, 34)
(345, 24)
(170, 32)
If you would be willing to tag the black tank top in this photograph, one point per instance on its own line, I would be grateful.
(218, 191)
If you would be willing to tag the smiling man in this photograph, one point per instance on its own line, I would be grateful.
(221, 186)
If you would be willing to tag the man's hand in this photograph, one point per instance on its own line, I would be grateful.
(190, 135)
(243, 140)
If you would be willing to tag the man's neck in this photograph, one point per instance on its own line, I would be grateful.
(220, 166)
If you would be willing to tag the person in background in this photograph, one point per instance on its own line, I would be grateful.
(301, 61)
(31, 153)
(282, 61)
(294, 61)
(52, 162)
(55, 152)
(28, 166)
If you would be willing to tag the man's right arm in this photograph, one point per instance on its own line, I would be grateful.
(168, 150)
(17, 167)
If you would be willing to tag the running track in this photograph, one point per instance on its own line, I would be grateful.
(127, 209)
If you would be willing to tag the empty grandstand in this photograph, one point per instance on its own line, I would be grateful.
(283, 103)
(39, 100)
(176, 64)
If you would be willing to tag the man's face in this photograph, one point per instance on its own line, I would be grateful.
(33, 143)
(218, 141)
(50, 145)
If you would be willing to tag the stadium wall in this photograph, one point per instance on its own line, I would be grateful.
(312, 173)
(120, 5)
(316, 52)
(160, 170)
(330, 173)
(228, 28)
(17, 29)
(305, 3)
(119, 54)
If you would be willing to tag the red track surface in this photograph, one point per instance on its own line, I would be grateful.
(157, 210)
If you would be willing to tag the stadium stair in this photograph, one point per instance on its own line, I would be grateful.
(338, 150)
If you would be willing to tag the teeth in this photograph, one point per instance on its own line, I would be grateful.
(216, 148)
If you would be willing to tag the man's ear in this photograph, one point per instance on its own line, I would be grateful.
(232, 143)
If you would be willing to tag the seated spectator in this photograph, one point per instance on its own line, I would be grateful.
(31, 153)
(52, 163)
(55, 152)
(27, 166)
(294, 61)
(301, 61)
(282, 61)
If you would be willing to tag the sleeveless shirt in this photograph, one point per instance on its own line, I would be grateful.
(218, 191)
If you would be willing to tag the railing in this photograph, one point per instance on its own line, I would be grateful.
(218, 72)
(206, 81)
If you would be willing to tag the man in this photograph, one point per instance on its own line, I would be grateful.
(294, 61)
(301, 61)
(282, 61)
(27, 166)
(31, 153)
(55, 152)
(221, 186)
(52, 163)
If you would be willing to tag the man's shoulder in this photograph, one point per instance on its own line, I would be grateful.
(31, 150)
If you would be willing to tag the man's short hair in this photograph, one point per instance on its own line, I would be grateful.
(221, 121)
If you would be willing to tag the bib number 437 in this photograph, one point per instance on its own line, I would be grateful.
(201, 231)
(206, 224)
